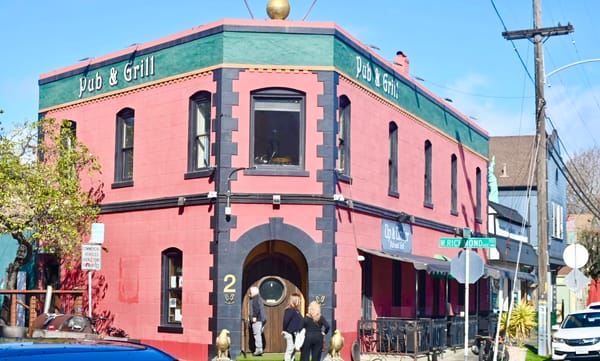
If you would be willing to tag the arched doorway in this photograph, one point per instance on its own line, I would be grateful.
(278, 269)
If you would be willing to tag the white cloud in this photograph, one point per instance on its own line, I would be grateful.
(574, 111)
(498, 115)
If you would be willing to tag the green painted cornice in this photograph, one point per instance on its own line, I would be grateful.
(247, 46)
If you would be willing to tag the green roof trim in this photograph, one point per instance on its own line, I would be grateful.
(248, 46)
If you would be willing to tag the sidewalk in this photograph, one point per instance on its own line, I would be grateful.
(458, 355)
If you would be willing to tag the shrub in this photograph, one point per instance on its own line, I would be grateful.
(522, 320)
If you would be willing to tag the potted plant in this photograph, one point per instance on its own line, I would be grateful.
(522, 321)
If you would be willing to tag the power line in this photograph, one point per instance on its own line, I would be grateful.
(309, 10)
(512, 42)
(249, 10)
(573, 181)
(580, 191)
(468, 93)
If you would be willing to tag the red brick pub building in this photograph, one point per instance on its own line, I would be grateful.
(275, 153)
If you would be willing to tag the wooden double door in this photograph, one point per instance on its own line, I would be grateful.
(275, 292)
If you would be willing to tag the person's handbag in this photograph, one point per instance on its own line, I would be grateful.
(299, 339)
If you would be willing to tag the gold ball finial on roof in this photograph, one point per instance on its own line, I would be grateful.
(278, 9)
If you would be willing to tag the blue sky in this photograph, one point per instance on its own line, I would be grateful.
(456, 47)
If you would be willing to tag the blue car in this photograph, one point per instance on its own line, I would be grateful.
(79, 350)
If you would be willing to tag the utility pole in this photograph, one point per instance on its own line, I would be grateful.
(538, 34)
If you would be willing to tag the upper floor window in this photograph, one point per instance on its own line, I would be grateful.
(68, 138)
(454, 184)
(171, 290)
(343, 155)
(393, 160)
(124, 148)
(199, 131)
(557, 221)
(68, 133)
(428, 152)
(278, 123)
(478, 191)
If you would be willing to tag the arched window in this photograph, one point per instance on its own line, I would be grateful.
(343, 144)
(68, 133)
(124, 148)
(393, 160)
(478, 195)
(171, 291)
(199, 131)
(68, 139)
(454, 185)
(428, 152)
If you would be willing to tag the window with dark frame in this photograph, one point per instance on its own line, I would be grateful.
(68, 138)
(428, 174)
(437, 309)
(343, 156)
(422, 286)
(199, 131)
(478, 191)
(124, 147)
(454, 185)
(171, 290)
(68, 133)
(396, 283)
(557, 221)
(278, 126)
(393, 160)
(367, 288)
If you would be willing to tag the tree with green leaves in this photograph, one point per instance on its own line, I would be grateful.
(49, 191)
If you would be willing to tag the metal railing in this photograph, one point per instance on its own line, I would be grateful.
(415, 337)
(73, 298)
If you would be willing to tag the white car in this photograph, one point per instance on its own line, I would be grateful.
(594, 306)
(578, 336)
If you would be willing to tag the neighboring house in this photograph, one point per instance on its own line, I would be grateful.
(282, 154)
(8, 252)
(517, 190)
(28, 276)
(511, 231)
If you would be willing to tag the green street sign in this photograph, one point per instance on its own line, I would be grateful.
(473, 242)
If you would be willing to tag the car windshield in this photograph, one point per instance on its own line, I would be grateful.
(582, 320)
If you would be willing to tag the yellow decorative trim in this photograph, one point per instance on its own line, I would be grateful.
(255, 69)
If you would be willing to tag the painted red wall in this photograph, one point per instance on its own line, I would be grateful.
(129, 284)
(130, 280)
(370, 118)
(161, 128)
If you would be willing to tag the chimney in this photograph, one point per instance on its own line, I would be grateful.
(401, 63)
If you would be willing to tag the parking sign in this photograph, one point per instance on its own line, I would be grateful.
(91, 257)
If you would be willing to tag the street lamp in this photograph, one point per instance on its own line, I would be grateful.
(568, 66)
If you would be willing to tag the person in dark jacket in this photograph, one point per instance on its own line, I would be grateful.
(316, 327)
(293, 327)
(258, 319)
